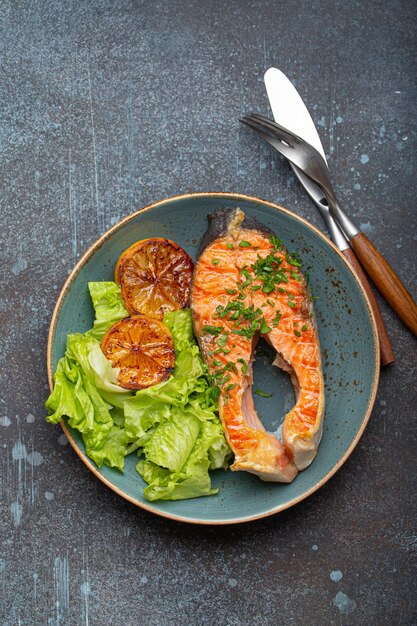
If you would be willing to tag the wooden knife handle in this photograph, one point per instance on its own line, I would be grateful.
(386, 280)
(386, 353)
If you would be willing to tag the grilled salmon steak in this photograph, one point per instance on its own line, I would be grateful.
(246, 285)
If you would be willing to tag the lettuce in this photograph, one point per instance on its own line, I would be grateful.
(108, 307)
(173, 426)
(173, 440)
(111, 451)
(192, 479)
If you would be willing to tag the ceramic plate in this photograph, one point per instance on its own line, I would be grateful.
(348, 340)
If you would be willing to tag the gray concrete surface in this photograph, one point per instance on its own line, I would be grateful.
(105, 107)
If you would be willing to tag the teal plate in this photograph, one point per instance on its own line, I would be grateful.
(348, 340)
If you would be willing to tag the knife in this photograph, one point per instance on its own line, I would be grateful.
(289, 110)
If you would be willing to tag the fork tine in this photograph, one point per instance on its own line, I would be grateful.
(259, 129)
(262, 128)
(294, 154)
(279, 131)
(271, 136)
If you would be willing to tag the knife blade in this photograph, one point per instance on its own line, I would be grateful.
(289, 110)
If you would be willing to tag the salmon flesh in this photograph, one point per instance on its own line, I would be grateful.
(245, 286)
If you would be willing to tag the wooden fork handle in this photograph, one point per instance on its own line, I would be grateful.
(386, 353)
(386, 280)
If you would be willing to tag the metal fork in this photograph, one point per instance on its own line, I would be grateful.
(309, 161)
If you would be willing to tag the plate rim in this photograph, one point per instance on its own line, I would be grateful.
(96, 245)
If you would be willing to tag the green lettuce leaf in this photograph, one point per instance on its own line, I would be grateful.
(181, 326)
(86, 352)
(142, 412)
(163, 485)
(172, 442)
(63, 400)
(110, 450)
(108, 307)
(193, 480)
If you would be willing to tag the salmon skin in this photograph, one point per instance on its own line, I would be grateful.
(245, 286)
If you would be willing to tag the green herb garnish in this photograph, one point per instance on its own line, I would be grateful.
(277, 318)
(293, 259)
(263, 394)
(244, 367)
(213, 330)
(278, 244)
(264, 327)
(222, 340)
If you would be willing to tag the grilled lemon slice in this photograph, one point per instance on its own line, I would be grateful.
(155, 277)
(142, 348)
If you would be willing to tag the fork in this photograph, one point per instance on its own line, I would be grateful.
(315, 193)
(307, 159)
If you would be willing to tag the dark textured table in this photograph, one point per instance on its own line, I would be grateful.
(107, 106)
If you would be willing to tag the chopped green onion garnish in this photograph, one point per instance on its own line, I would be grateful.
(277, 243)
(277, 318)
(224, 380)
(244, 244)
(263, 394)
(244, 365)
(222, 340)
(212, 330)
(292, 259)
(215, 261)
(264, 327)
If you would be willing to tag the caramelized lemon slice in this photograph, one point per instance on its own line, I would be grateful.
(142, 348)
(155, 277)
